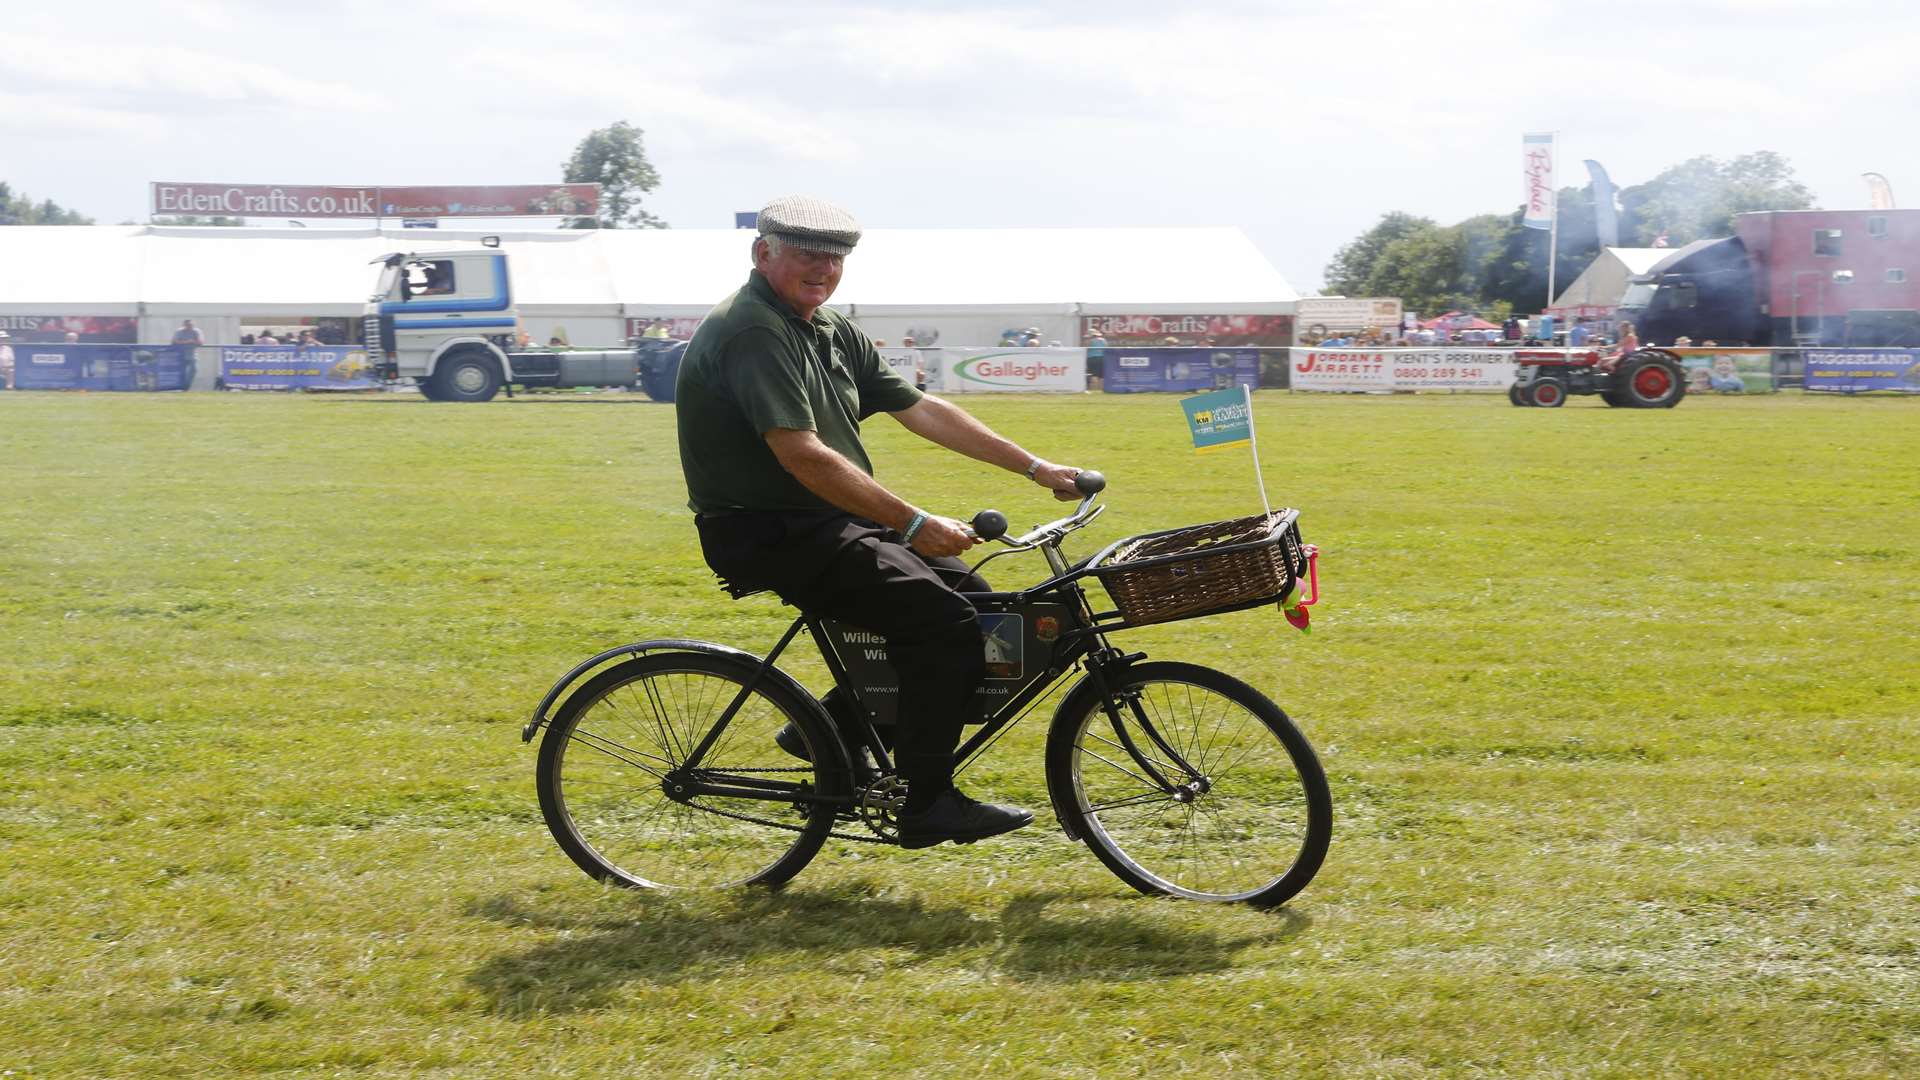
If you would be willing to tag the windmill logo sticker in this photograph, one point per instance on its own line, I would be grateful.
(1003, 641)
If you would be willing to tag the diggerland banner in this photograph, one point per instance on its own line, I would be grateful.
(1402, 369)
(967, 371)
(1857, 371)
(309, 201)
(293, 367)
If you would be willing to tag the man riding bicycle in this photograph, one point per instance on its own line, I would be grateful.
(770, 397)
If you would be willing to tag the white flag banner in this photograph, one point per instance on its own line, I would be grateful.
(1536, 158)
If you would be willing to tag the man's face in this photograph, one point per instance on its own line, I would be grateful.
(804, 279)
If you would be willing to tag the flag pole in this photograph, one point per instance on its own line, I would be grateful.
(1553, 227)
(1253, 443)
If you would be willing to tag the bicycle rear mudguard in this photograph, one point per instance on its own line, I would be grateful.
(748, 661)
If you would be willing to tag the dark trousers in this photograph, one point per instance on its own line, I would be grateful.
(841, 567)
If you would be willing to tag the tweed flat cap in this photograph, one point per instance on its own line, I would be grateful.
(810, 224)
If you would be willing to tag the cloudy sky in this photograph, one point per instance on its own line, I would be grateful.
(1301, 123)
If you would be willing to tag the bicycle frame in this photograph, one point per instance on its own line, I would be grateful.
(1083, 644)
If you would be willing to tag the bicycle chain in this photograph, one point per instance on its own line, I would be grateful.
(782, 824)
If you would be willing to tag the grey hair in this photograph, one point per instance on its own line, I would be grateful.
(773, 243)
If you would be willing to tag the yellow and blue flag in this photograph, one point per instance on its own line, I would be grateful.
(1219, 419)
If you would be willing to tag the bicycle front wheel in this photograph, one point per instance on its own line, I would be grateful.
(617, 748)
(1188, 782)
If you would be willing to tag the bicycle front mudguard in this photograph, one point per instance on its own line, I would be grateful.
(1085, 695)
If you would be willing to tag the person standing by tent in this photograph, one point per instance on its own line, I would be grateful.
(187, 341)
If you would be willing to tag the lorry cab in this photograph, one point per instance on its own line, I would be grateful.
(434, 317)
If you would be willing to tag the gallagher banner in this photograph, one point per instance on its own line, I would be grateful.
(365, 201)
(1857, 371)
(1135, 371)
(966, 371)
(290, 367)
(1359, 370)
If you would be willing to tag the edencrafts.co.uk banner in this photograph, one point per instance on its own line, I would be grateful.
(1359, 370)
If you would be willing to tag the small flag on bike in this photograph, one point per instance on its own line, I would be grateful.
(1219, 419)
(1224, 418)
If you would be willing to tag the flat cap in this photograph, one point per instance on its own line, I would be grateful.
(810, 224)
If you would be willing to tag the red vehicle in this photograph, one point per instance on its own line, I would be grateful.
(1642, 379)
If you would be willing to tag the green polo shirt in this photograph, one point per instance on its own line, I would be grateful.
(754, 366)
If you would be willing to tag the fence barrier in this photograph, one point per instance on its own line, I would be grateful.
(89, 366)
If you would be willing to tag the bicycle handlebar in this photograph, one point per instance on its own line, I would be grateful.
(992, 524)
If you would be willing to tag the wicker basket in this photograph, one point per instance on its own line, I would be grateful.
(1185, 572)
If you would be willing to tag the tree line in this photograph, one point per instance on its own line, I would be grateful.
(1493, 264)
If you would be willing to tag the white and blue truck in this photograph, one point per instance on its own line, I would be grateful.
(446, 321)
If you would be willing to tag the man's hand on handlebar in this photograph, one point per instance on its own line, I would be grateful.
(943, 536)
(1059, 478)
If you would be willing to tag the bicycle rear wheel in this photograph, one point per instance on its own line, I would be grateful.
(607, 755)
(1250, 822)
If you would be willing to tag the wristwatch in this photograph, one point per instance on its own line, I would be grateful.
(1034, 467)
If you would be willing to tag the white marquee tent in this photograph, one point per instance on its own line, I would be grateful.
(1605, 280)
(966, 284)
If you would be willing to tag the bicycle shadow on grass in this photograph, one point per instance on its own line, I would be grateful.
(1036, 936)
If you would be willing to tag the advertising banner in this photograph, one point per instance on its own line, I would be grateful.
(117, 329)
(1189, 329)
(365, 201)
(1856, 371)
(98, 367)
(290, 367)
(909, 364)
(1728, 371)
(1358, 370)
(1316, 315)
(1175, 370)
(1537, 190)
(679, 328)
(966, 371)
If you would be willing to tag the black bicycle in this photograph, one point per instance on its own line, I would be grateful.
(660, 769)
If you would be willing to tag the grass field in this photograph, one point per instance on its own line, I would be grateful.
(1619, 709)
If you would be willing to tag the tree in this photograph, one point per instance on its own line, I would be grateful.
(1697, 198)
(614, 158)
(1498, 264)
(21, 210)
(1353, 265)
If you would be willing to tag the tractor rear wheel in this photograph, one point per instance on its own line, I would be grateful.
(1650, 379)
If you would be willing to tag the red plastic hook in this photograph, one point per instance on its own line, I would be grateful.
(1297, 615)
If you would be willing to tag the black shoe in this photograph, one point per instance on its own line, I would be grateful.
(865, 769)
(955, 817)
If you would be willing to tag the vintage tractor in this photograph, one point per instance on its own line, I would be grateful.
(1642, 379)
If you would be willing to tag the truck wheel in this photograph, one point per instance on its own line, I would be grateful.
(1649, 380)
(1547, 391)
(426, 389)
(1514, 395)
(470, 375)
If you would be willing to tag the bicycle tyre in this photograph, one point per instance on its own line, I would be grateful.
(610, 811)
(1258, 832)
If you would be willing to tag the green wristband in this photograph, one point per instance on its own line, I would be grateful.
(913, 527)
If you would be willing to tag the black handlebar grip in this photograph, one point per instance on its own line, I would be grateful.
(1090, 482)
(989, 524)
